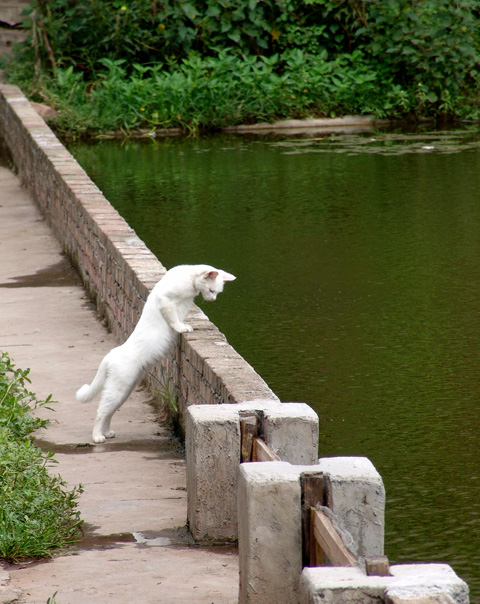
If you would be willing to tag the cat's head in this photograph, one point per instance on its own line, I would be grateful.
(210, 283)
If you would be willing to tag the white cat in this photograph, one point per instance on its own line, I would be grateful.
(162, 318)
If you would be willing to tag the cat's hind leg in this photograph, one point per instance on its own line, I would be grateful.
(101, 428)
(116, 391)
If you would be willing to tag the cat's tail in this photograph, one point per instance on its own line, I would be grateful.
(89, 391)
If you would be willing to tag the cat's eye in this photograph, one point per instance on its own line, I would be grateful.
(212, 291)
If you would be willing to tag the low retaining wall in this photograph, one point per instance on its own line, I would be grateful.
(117, 268)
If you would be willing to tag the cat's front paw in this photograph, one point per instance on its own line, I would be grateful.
(183, 328)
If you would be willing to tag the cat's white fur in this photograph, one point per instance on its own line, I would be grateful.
(162, 318)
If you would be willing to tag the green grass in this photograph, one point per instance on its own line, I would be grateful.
(38, 513)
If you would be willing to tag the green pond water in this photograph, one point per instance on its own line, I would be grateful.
(358, 291)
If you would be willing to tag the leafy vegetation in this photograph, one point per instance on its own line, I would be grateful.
(208, 63)
(38, 512)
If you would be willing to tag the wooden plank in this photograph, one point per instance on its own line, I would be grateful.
(248, 431)
(262, 452)
(316, 553)
(377, 566)
(313, 494)
(330, 540)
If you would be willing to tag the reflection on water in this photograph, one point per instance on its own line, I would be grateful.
(358, 291)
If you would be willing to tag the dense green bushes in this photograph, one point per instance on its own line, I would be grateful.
(208, 63)
(38, 513)
(214, 92)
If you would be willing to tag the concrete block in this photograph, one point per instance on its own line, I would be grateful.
(291, 430)
(270, 535)
(212, 443)
(212, 448)
(356, 496)
(408, 584)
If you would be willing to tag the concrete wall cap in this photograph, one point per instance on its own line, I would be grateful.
(229, 410)
(295, 410)
(416, 579)
(202, 413)
(273, 408)
(348, 467)
(270, 471)
(20, 99)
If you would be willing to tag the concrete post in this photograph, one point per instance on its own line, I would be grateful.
(270, 533)
(212, 443)
(212, 450)
(291, 430)
(356, 495)
(408, 584)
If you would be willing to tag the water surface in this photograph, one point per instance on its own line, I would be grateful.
(358, 292)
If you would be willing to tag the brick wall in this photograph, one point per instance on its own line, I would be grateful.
(117, 268)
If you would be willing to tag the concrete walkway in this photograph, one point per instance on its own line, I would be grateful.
(136, 548)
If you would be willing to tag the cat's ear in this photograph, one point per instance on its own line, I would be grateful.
(227, 276)
(211, 275)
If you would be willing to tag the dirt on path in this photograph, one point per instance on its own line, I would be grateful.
(136, 547)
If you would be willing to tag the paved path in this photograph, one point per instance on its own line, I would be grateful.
(134, 503)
